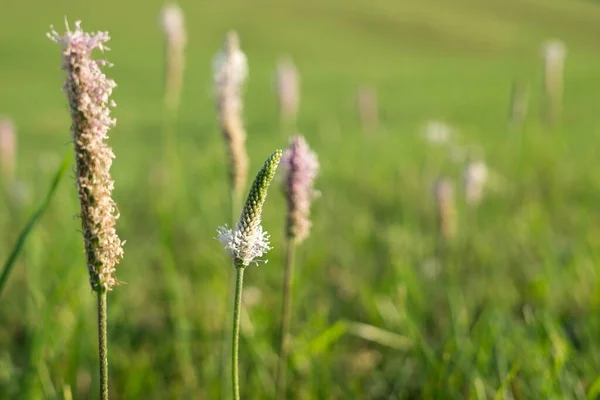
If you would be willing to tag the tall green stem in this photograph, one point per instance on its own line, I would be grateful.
(225, 343)
(237, 308)
(285, 317)
(102, 344)
(33, 220)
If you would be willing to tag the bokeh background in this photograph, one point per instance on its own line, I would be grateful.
(509, 308)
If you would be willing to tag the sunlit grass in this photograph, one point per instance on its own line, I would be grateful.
(515, 308)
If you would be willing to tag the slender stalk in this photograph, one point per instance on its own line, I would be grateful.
(245, 242)
(237, 308)
(102, 344)
(285, 317)
(176, 298)
(39, 212)
(225, 343)
(170, 157)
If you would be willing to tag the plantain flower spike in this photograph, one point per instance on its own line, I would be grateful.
(287, 84)
(301, 167)
(8, 144)
(475, 179)
(368, 110)
(230, 71)
(248, 240)
(172, 23)
(445, 208)
(88, 91)
(554, 53)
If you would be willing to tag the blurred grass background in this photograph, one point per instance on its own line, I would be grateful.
(514, 311)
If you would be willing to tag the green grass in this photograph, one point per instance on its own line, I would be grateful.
(515, 310)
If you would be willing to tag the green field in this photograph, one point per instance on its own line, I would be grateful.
(514, 312)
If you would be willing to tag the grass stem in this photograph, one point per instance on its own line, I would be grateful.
(225, 343)
(39, 212)
(237, 308)
(103, 344)
(285, 318)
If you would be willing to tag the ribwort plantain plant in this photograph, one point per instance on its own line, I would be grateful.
(8, 145)
(172, 23)
(230, 71)
(245, 243)
(368, 110)
(88, 91)
(554, 53)
(300, 166)
(475, 177)
(287, 86)
(445, 207)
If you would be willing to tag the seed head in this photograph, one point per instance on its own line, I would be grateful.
(446, 208)
(438, 132)
(300, 167)
(172, 21)
(554, 51)
(88, 91)
(475, 179)
(248, 240)
(8, 144)
(287, 84)
(368, 110)
(230, 70)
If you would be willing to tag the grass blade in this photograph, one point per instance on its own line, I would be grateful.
(39, 212)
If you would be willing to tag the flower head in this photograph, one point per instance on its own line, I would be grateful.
(171, 19)
(445, 207)
(300, 166)
(230, 70)
(554, 51)
(438, 132)
(366, 104)
(172, 22)
(88, 91)
(7, 148)
(475, 179)
(248, 240)
(287, 84)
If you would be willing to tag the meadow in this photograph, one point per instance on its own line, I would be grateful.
(507, 309)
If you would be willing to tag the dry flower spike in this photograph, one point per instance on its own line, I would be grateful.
(230, 70)
(8, 144)
(300, 166)
(88, 91)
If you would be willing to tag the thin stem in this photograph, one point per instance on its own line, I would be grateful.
(225, 343)
(285, 317)
(39, 212)
(237, 307)
(102, 344)
(176, 298)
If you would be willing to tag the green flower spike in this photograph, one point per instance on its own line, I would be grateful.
(248, 240)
